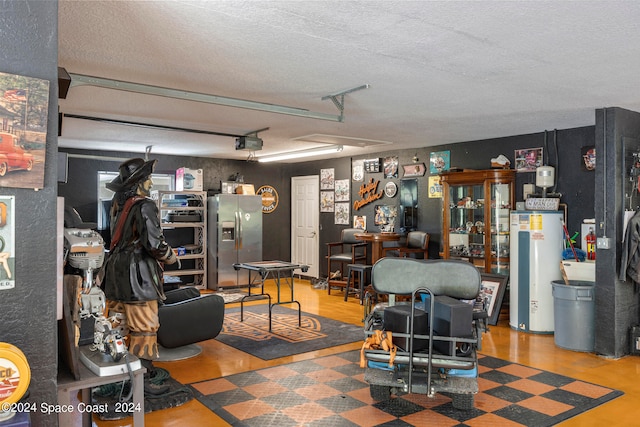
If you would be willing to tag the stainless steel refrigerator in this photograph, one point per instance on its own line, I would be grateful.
(235, 235)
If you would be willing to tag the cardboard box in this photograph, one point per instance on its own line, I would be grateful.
(245, 189)
(582, 271)
(189, 179)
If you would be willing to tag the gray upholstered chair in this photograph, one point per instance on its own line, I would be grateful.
(349, 250)
(417, 243)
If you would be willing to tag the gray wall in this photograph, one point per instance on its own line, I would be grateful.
(616, 302)
(29, 47)
(574, 182)
(80, 191)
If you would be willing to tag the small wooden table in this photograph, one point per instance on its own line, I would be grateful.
(376, 240)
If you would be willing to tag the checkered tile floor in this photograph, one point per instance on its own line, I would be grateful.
(330, 391)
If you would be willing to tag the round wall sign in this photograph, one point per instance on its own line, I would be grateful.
(390, 189)
(269, 198)
(16, 374)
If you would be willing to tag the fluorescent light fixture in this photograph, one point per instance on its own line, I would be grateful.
(301, 153)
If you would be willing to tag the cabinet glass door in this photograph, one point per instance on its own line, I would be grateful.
(500, 208)
(466, 228)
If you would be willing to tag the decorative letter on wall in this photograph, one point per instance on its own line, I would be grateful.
(368, 193)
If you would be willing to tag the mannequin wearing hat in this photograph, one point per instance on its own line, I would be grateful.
(132, 281)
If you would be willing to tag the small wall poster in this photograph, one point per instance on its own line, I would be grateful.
(7, 242)
(439, 161)
(528, 159)
(588, 158)
(24, 106)
(372, 165)
(342, 214)
(327, 178)
(435, 187)
(360, 222)
(326, 201)
(391, 167)
(385, 217)
(342, 190)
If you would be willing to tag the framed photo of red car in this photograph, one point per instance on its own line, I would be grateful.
(24, 105)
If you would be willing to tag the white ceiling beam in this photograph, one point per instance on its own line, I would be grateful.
(84, 80)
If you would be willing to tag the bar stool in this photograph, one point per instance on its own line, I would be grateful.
(363, 272)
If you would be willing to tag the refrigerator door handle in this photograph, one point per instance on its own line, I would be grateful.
(237, 230)
(239, 216)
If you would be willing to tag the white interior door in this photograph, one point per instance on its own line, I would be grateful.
(305, 222)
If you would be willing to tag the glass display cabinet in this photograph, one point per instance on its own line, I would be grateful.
(476, 206)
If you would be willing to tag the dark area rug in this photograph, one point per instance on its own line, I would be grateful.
(330, 391)
(110, 394)
(286, 338)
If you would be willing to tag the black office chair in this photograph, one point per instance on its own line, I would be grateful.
(348, 250)
(186, 318)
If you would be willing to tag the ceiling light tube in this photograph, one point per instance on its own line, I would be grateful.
(300, 154)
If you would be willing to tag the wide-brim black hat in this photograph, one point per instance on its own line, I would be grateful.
(132, 172)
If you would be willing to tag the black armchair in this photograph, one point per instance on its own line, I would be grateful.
(187, 317)
(348, 250)
(417, 243)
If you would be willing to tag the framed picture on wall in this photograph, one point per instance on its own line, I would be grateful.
(435, 187)
(492, 289)
(342, 190)
(342, 214)
(25, 103)
(327, 179)
(385, 217)
(391, 167)
(588, 158)
(439, 161)
(528, 159)
(326, 201)
(372, 165)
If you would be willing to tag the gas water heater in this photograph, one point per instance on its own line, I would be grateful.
(536, 252)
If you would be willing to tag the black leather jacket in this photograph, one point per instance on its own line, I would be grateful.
(132, 270)
(630, 261)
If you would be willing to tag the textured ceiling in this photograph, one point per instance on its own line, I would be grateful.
(438, 72)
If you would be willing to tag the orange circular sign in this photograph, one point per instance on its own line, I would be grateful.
(15, 374)
(269, 198)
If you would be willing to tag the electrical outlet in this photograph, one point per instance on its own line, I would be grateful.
(603, 243)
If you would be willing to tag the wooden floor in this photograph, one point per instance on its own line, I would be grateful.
(539, 351)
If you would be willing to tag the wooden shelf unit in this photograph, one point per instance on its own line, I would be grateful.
(476, 207)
